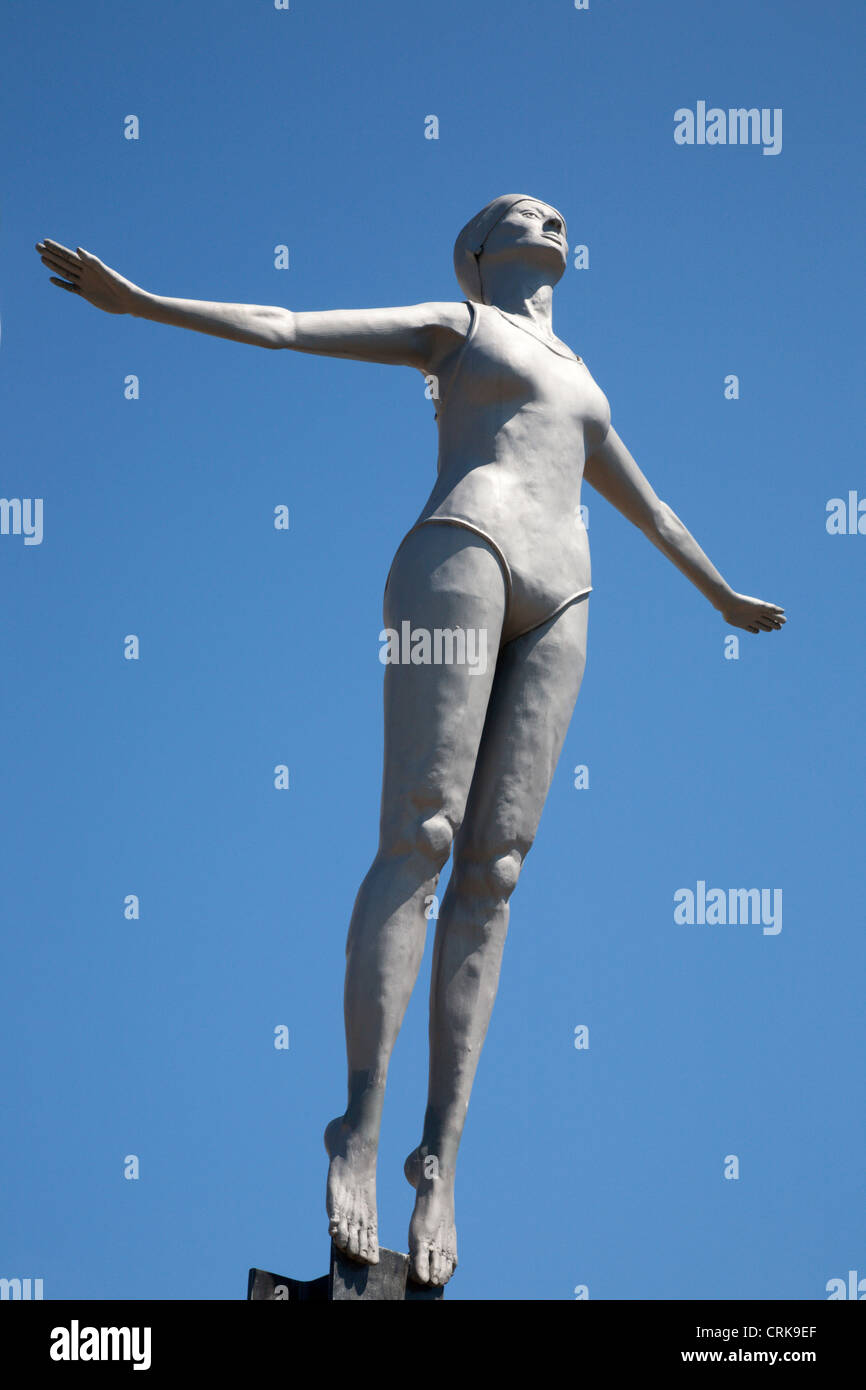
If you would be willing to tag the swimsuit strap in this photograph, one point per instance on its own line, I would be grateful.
(572, 356)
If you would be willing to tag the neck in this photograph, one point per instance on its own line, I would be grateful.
(522, 295)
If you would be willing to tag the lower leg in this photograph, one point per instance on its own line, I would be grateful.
(384, 952)
(467, 959)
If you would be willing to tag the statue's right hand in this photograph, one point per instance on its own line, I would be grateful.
(87, 276)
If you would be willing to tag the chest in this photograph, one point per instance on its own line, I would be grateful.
(507, 365)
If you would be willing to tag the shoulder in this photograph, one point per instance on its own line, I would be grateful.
(444, 326)
(451, 316)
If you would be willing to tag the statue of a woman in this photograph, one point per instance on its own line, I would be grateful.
(497, 564)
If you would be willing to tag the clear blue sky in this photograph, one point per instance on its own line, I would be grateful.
(154, 1037)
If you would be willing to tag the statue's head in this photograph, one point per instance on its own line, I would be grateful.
(514, 228)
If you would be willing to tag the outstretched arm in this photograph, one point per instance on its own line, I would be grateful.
(612, 471)
(412, 336)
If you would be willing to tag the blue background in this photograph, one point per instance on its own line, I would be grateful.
(154, 1037)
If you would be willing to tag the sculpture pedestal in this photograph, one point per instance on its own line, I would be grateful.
(347, 1281)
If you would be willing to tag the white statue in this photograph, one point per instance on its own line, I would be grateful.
(498, 561)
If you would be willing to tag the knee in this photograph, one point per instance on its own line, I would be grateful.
(434, 838)
(492, 877)
(503, 873)
(426, 839)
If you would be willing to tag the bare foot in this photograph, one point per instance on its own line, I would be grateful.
(432, 1233)
(351, 1197)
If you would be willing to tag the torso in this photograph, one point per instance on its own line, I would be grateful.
(518, 416)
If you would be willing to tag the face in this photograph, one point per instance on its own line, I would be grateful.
(531, 231)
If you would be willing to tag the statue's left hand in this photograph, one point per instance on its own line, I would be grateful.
(753, 614)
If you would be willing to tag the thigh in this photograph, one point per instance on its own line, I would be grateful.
(444, 607)
(535, 687)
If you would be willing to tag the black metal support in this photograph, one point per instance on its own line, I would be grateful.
(347, 1281)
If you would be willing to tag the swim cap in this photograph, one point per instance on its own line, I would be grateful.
(470, 242)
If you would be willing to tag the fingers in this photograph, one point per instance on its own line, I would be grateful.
(771, 619)
(760, 625)
(69, 263)
(59, 253)
(56, 247)
(763, 625)
(754, 615)
(64, 284)
(72, 272)
(755, 623)
(60, 259)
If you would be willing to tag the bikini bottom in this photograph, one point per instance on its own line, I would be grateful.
(523, 609)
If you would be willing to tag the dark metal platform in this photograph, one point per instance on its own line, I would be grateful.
(347, 1281)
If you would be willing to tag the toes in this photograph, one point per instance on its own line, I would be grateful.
(421, 1266)
(368, 1246)
(443, 1263)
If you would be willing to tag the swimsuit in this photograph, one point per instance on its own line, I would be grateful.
(519, 417)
